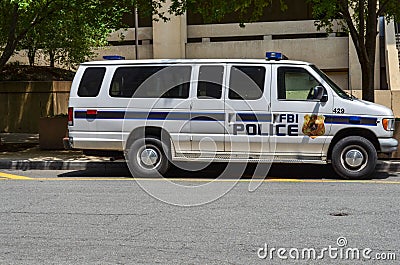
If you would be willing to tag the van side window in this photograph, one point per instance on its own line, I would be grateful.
(91, 82)
(295, 84)
(151, 82)
(210, 82)
(246, 82)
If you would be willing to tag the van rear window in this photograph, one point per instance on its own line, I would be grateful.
(210, 82)
(91, 82)
(246, 82)
(151, 82)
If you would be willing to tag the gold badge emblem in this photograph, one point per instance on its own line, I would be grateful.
(314, 125)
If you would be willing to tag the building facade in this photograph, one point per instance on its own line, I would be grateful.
(291, 32)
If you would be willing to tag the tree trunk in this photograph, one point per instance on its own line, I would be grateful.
(6, 55)
(52, 58)
(11, 39)
(31, 56)
(368, 81)
(364, 35)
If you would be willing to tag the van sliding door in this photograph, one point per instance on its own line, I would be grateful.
(247, 108)
(207, 110)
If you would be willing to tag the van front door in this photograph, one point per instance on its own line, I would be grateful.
(247, 108)
(300, 131)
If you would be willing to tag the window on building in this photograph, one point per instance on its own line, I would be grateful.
(295, 84)
(91, 82)
(151, 82)
(246, 82)
(210, 82)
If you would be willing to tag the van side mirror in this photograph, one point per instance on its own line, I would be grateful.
(320, 94)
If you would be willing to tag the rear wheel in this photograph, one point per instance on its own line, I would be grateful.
(148, 157)
(354, 157)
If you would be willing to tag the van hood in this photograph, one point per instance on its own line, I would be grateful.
(362, 107)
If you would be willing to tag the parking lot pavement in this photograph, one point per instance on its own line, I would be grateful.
(99, 217)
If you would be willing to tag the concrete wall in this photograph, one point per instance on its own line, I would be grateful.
(145, 49)
(23, 103)
(169, 38)
(392, 57)
(128, 51)
(388, 98)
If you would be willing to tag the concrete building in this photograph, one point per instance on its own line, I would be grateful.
(292, 32)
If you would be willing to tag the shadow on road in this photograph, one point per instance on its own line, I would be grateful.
(214, 170)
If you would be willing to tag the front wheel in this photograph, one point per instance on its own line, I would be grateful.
(148, 158)
(354, 157)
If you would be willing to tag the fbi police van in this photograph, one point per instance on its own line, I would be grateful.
(232, 110)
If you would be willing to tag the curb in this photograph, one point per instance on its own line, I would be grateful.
(59, 165)
(388, 166)
(383, 165)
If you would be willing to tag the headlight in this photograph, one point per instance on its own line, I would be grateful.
(388, 124)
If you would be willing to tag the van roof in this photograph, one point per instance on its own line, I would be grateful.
(193, 61)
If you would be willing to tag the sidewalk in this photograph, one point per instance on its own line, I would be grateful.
(21, 151)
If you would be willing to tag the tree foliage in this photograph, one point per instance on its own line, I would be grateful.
(65, 30)
(360, 19)
(215, 10)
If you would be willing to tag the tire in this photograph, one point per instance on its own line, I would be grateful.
(354, 157)
(148, 157)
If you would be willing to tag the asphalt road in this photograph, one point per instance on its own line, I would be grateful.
(92, 217)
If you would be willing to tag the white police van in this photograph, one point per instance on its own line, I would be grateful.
(236, 110)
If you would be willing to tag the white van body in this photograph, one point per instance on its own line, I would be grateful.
(237, 110)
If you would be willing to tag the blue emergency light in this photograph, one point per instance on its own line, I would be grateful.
(113, 57)
(275, 56)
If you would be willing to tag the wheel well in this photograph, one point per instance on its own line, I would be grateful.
(143, 132)
(367, 134)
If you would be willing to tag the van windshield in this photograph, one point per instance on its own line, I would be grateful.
(332, 84)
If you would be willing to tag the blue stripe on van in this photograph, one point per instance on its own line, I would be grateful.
(253, 117)
(209, 116)
(159, 115)
(357, 120)
(156, 115)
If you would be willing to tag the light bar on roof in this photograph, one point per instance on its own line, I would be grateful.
(275, 56)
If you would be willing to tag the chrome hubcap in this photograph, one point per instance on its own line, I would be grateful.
(354, 158)
(149, 157)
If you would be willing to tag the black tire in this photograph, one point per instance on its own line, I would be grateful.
(361, 158)
(148, 157)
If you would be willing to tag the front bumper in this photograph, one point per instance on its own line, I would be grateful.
(388, 145)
